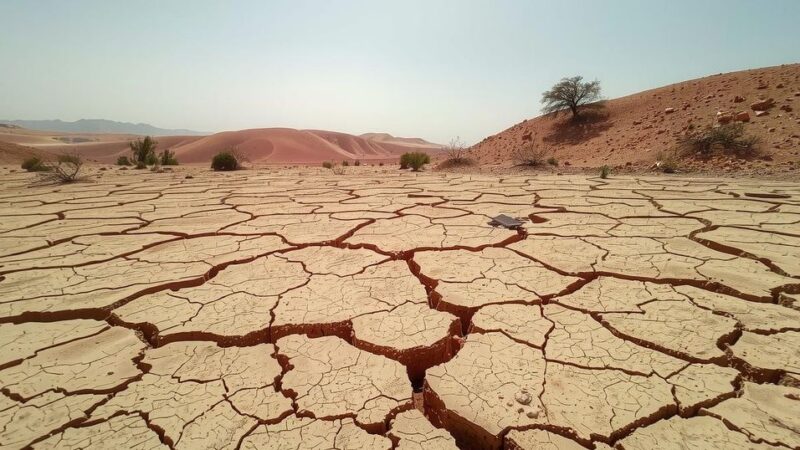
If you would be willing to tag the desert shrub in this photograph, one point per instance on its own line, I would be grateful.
(141, 165)
(65, 169)
(327, 165)
(531, 154)
(34, 164)
(380, 164)
(552, 161)
(414, 160)
(605, 171)
(345, 163)
(357, 162)
(144, 150)
(729, 138)
(167, 158)
(457, 155)
(152, 159)
(123, 161)
(225, 160)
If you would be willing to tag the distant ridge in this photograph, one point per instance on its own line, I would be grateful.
(100, 126)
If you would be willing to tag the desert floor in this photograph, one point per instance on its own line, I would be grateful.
(294, 308)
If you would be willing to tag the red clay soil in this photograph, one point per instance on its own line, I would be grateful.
(631, 131)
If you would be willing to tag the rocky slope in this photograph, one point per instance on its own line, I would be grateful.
(632, 130)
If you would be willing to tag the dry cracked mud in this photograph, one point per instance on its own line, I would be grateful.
(380, 310)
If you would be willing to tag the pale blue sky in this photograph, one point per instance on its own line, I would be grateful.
(427, 68)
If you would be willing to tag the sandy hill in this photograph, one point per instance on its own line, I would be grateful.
(262, 145)
(287, 145)
(635, 128)
(15, 154)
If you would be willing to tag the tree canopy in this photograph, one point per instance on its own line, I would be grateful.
(570, 94)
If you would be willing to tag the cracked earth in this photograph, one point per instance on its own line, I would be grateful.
(380, 310)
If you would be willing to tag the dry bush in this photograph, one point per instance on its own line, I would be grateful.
(667, 161)
(729, 139)
(65, 169)
(531, 154)
(457, 155)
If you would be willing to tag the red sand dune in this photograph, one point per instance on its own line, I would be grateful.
(262, 145)
(638, 127)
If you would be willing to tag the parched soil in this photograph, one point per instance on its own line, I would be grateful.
(380, 310)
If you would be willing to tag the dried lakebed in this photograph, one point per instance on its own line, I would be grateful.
(380, 310)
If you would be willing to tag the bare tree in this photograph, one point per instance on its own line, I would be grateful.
(570, 94)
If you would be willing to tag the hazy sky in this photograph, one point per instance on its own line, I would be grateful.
(427, 68)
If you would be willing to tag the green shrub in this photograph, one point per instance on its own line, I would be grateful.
(34, 164)
(605, 171)
(327, 165)
(152, 159)
(552, 161)
(225, 160)
(414, 160)
(729, 138)
(140, 165)
(144, 150)
(345, 163)
(123, 161)
(167, 158)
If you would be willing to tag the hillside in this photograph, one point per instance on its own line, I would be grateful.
(15, 154)
(100, 126)
(634, 129)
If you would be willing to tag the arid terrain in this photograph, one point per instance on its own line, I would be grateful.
(262, 145)
(379, 309)
(631, 132)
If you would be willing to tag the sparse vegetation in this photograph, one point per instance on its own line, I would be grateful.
(141, 165)
(167, 158)
(345, 163)
(339, 170)
(571, 94)
(144, 150)
(123, 161)
(357, 163)
(327, 165)
(414, 160)
(225, 160)
(531, 154)
(605, 171)
(552, 161)
(728, 139)
(457, 155)
(65, 169)
(34, 164)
